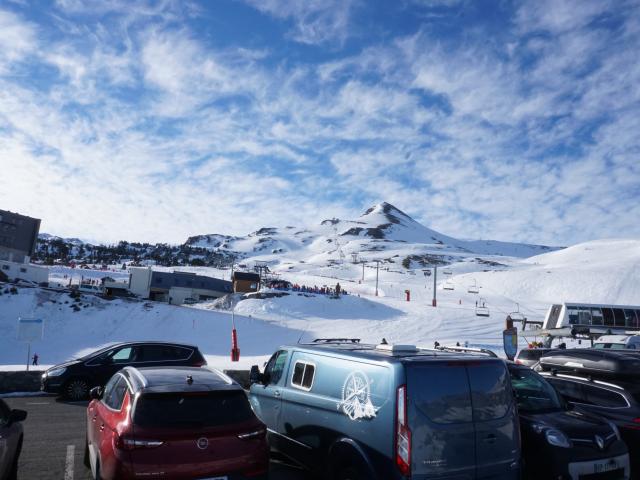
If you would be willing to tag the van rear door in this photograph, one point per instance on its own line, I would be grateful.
(497, 431)
(462, 420)
(440, 418)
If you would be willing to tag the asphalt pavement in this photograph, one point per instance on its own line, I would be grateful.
(54, 438)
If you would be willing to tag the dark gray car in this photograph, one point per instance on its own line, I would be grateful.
(10, 440)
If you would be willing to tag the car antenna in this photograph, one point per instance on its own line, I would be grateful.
(303, 332)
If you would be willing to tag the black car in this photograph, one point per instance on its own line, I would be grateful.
(10, 440)
(530, 356)
(559, 441)
(74, 379)
(616, 400)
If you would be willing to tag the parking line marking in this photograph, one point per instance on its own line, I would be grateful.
(68, 471)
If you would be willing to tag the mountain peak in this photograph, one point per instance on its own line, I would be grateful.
(388, 210)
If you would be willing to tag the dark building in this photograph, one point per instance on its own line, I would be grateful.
(244, 282)
(177, 287)
(18, 236)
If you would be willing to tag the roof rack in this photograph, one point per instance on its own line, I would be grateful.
(482, 351)
(336, 340)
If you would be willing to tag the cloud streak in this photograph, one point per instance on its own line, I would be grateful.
(145, 123)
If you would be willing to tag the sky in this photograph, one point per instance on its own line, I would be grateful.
(154, 121)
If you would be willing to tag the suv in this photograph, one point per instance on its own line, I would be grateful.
(618, 342)
(10, 440)
(346, 410)
(574, 444)
(176, 423)
(74, 379)
(607, 385)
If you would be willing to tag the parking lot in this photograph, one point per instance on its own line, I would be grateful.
(54, 438)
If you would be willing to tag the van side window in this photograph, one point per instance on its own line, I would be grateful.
(275, 367)
(303, 375)
(490, 390)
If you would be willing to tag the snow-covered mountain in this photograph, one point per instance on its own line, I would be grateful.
(382, 232)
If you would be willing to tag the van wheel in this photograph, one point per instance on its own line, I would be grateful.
(76, 389)
(349, 473)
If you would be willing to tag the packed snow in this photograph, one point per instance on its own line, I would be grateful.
(606, 271)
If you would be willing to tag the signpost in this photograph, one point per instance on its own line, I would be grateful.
(510, 342)
(30, 330)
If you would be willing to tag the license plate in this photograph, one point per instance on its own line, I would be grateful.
(605, 467)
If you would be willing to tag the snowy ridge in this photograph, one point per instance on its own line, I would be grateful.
(605, 271)
(381, 228)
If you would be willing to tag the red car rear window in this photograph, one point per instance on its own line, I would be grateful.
(192, 410)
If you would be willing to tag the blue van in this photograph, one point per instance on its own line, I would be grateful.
(346, 410)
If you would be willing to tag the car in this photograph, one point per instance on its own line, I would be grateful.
(618, 342)
(346, 410)
(174, 422)
(75, 378)
(606, 383)
(11, 436)
(88, 288)
(530, 356)
(574, 444)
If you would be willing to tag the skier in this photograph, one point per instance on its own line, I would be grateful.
(337, 289)
(35, 359)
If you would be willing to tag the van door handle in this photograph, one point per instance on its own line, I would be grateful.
(491, 438)
(276, 393)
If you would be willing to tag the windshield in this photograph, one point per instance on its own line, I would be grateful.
(534, 393)
(208, 409)
(612, 346)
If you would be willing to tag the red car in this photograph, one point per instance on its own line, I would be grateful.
(174, 423)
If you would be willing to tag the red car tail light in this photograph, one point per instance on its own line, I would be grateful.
(260, 433)
(403, 434)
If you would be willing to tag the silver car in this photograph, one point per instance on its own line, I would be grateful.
(10, 440)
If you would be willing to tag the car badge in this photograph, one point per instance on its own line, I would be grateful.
(202, 443)
(600, 442)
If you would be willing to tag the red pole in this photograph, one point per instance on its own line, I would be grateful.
(235, 351)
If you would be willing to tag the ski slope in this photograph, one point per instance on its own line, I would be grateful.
(606, 271)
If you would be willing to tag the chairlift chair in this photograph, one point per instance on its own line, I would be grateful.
(518, 316)
(474, 288)
(447, 272)
(481, 309)
(448, 285)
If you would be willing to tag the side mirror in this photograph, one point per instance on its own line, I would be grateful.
(95, 393)
(255, 376)
(17, 416)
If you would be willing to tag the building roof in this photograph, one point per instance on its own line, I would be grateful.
(167, 280)
(252, 277)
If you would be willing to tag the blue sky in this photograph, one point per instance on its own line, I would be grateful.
(154, 121)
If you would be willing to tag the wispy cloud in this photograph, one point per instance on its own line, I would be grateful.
(314, 21)
(140, 121)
